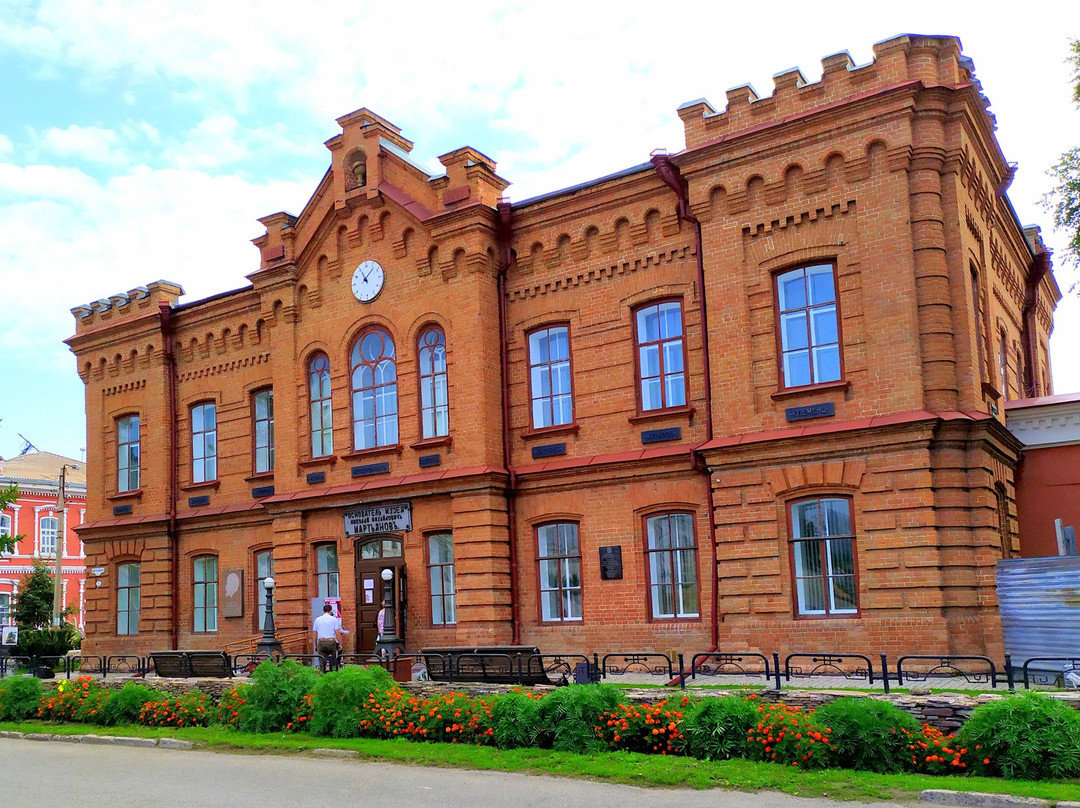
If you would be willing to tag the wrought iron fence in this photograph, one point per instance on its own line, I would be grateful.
(498, 666)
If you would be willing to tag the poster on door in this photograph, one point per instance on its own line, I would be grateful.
(369, 592)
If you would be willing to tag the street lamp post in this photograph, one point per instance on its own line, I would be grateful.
(389, 644)
(269, 644)
(61, 529)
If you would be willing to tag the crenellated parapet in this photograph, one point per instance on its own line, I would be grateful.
(908, 59)
(125, 306)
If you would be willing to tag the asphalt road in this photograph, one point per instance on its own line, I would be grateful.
(38, 773)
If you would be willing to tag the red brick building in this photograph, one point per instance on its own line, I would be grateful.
(748, 395)
(34, 516)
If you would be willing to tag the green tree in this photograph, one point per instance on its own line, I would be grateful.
(34, 600)
(7, 497)
(1064, 198)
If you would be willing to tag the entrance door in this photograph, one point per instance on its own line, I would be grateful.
(373, 555)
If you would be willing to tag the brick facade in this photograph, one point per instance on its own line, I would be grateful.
(886, 177)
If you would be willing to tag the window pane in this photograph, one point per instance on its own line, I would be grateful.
(670, 320)
(843, 594)
(673, 356)
(648, 324)
(572, 605)
(649, 356)
(688, 606)
(792, 288)
(548, 537)
(827, 364)
(549, 574)
(662, 572)
(820, 281)
(793, 328)
(659, 532)
(663, 601)
(811, 592)
(837, 516)
(549, 605)
(682, 529)
(559, 344)
(841, 559)
(823, 325)
(797, 368)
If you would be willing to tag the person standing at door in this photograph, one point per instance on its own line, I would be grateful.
(328, 637)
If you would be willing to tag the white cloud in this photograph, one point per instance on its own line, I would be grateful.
(87, 142)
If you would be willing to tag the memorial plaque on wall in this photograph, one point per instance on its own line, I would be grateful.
(394, 517)
(611, 563)
(232, 601)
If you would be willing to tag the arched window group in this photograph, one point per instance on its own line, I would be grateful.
(373, 383)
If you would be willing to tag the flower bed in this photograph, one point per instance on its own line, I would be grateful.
(1029, 736)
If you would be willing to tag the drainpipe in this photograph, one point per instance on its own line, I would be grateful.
(167, 347)
(504, 232)
(1040, 265)
(669, 173)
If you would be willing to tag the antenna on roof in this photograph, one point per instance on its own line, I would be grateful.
(28, 445)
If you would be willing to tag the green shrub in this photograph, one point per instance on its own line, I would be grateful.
(568, 717)
(790, 736)
(47, 642)
(516, 721)
(276, 691)
(867, 734)
(342, 696)
(715, 729)
(124, 705)
(1027, 737)
(193, 709)
(80, 701)
(20, 698)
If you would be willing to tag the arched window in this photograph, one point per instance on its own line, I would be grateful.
(374, 391)
(205, 595)
(322, 410)
(434, 404)
(823, 556)
(661, 355)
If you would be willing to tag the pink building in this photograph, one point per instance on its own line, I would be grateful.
(34, 517)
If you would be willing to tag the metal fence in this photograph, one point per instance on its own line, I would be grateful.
(476, 665)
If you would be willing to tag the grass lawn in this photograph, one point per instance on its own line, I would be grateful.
(615, 767)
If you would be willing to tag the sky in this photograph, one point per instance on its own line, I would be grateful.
(142, 140)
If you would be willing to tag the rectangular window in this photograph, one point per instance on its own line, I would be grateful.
(204, 443)
(823, 556)
(5, 532)
(48, 528)
(560, 572)
(672, 560)
(264, 568)
(980, 348)
(549, 377)
(264, 431)
(5, 609)
(809, 326)
(326, 571)
(205, 580)
(127, 599)
(661, 361)
(1003, 364)
(441, 575)
(127, 454)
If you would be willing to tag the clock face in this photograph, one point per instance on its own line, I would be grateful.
(367, 281)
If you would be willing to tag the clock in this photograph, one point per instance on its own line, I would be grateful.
(367, 281)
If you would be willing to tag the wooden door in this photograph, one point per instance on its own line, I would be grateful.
(373, 555)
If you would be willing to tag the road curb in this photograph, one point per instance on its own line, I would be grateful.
(983, 800)
(335, 753)
(100, 740)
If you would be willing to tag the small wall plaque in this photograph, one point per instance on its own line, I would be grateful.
(611, 563)
(661, 435)
(232, 602)
(822, 410)
(316, 477)
(427, 461)
(548, 450)
(262, 491)
(393, 517)
(369, 469)
(121, 510)
(195, 502)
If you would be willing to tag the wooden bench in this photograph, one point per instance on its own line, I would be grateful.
(185, 664)
(497, 664)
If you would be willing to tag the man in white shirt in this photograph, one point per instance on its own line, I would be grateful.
(328, 636)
